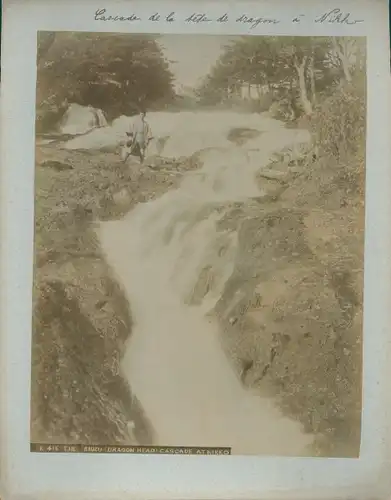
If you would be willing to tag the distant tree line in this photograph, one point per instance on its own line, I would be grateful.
(120, 73)
(117, 73)
(294, 70)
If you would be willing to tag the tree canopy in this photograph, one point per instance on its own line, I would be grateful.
(296, 68)
(114, 72)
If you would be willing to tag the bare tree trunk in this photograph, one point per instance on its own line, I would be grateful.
(300, 68)
(312, 79)
(292, 102)
(343, 58)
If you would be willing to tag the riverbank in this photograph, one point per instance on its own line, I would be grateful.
(291, 311)
(81, 317)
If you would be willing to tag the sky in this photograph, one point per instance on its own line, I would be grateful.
(194, 55)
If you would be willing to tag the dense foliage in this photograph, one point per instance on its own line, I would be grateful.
(293, 71)
(114, 72)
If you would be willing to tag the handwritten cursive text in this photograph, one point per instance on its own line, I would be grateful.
(338, 17)
(198, 18)
(334, 16)
(254, 22)
(100, 15)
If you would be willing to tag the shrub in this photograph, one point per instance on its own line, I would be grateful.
(339, 123)
(48, 118)
(339, 131)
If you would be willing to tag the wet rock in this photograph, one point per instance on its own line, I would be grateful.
(240, 136)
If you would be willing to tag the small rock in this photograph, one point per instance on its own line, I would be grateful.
(100, 304)
(122, 197)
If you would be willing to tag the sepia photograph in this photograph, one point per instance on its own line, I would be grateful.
(199, 244)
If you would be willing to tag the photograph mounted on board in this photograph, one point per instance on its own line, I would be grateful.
(199, 244)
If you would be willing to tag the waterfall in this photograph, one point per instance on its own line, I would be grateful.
(100, 119)
(174, 360)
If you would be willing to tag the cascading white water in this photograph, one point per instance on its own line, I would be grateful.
(100, 118)
(174, 360)
(81, 119)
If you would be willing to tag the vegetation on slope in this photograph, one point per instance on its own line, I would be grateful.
(81, 317)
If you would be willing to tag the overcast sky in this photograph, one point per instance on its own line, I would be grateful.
(193, 55)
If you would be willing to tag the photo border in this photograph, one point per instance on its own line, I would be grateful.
(98, 476)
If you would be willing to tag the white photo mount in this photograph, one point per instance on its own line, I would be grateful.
(36, 476)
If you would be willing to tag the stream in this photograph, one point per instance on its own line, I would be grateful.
(174, 361)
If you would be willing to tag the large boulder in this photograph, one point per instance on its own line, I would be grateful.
(105, 138)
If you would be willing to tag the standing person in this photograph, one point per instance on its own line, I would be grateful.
(140, 136)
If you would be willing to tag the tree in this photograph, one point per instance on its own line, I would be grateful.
(113, 72)
(345, 49)
(248, 61)
(292, 67)
(306, 58)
